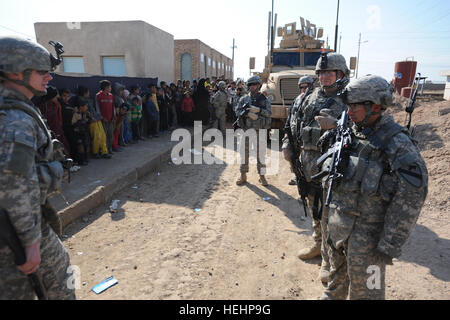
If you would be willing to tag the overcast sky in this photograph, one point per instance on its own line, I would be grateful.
(394, 29)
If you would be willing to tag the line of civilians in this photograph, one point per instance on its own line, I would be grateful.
(118, 116)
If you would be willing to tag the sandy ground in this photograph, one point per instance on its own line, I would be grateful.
(242, 243)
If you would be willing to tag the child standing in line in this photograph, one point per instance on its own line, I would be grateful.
(127, 132)
(80, 122)
(187, 107)
(136, 115)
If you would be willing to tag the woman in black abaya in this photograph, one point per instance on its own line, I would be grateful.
(201, 100)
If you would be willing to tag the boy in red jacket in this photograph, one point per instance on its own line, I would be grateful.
(187, 107)
(105, 105)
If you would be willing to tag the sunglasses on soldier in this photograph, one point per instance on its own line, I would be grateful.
(42, 72)
(353, 106)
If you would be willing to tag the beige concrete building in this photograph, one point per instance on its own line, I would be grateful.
(117, 48)
(194, 60)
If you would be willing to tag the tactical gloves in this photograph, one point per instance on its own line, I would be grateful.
(253, 112)
(254, 109)
(326, 120)
(252, 116)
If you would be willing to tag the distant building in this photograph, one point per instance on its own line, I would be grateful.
(194, 60)
(446, 73)
(118, 48)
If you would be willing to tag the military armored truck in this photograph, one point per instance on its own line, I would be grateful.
(297, 56)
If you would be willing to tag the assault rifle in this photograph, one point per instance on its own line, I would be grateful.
(244, 111)
(342, 142)
(302, 184)
(412, 100)
(9, 237)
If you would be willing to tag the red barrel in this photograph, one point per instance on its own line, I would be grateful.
(404, 74)
(406, 92)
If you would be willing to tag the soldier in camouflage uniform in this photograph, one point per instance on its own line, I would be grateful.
(219, 102)
(305, 85)
(333, 75)
(258, 118)
(28, 173)
(376, 204)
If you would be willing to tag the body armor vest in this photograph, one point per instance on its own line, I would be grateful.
(50, 171)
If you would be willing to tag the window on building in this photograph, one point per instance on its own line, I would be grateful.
(209, 62)
(73, 64)
(202, 57)
(114, 66)
(214, 64)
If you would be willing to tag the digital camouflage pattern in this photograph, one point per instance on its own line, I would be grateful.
(18, 54)
(219, 103)
(310, 132)
(369, 88)
(22, 195)
(336, 61)
(374, 209)
(263, 122)
(264, 116)
(306, 131)
(306, 79)
(254, 79)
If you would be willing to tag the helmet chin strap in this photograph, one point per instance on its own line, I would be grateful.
(339, 84)
(26, 83)
(369, 113)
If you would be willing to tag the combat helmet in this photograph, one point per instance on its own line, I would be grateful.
(332, 61)
(222, 85)
(254, 79)
(306, 79)
(21, 55)
(368, 90)
(371, 88)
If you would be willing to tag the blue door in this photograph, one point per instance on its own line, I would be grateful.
(186, 67)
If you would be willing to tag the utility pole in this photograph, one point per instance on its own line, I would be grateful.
(336, 32)
(340, 42)
(357, 61)
(269, 35)
(232, 58)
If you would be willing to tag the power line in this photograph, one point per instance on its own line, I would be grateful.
(439, 19)
(425, 17)
(409, 38)
(405, 32)
(17, 31)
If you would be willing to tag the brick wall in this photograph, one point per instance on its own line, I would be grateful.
(216, 63)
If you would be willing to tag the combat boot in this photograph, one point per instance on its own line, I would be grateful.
(324, 273)
(309, 253)
(242, 179)
(263, 180)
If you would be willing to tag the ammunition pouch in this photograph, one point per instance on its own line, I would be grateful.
(52, 218)
(50, 178)
(260, 123)
(310, 137)
(340, 227)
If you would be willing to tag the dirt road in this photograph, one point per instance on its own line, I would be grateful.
(241, 244)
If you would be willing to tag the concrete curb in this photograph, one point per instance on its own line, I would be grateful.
(104, 194)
